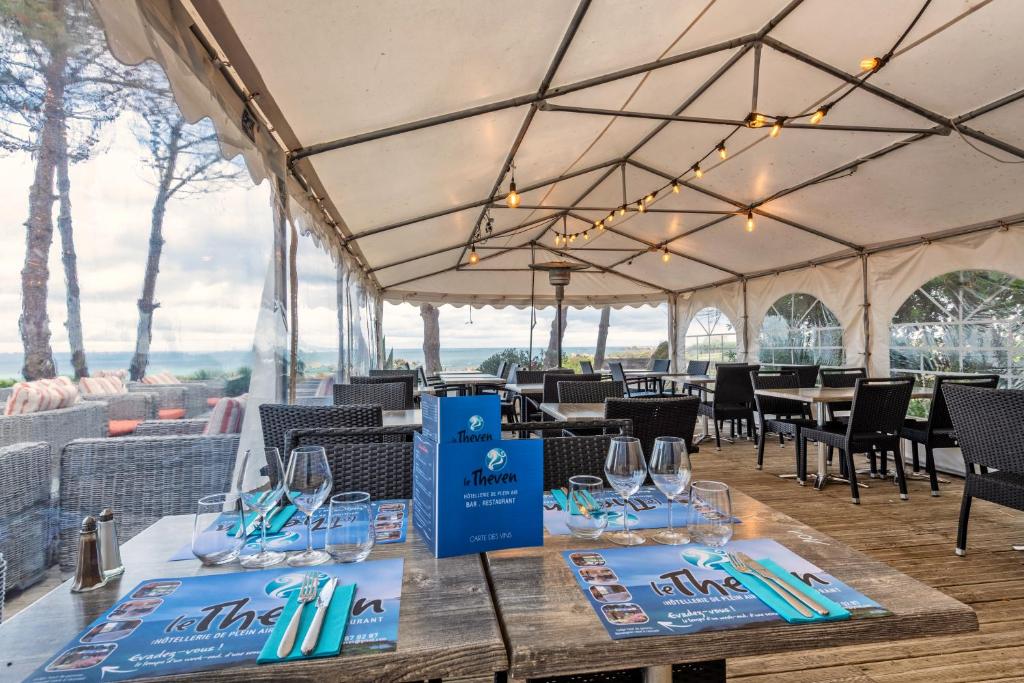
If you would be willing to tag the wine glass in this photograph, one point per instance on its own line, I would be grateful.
(626, 470)
(350, 533)
(260, 483)
(670, 470)
(216, 514)
(308, 482)
(586, 517)
(710, 520)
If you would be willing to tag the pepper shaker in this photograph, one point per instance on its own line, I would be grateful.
(88, 571)
(110, 550)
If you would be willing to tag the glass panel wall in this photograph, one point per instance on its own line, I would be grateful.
(800, 330)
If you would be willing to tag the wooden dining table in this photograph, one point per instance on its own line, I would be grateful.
(520, 611)
(819, 398)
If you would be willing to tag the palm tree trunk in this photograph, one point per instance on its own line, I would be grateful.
(551, 355)
(34, 324)
(431, 338)
(146, 304)
(70, 260)
(602, 337)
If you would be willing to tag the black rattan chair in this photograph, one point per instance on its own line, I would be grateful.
(780, 416)
(586, 367)
(397, 372)
(876, 416)
(658, 416)
(618, 375)
(567, 456)
(842, 378)
(276, 419)
(733, 398)
(588, 391)
(553, 379)
(408, 378)
(807, 375)
(390, 396)
(697, 367)
(989, 426)
(937, 430)
(359, 460)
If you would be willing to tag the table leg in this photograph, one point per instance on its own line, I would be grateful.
(822, 476)
(658, 674)
(704, 436)
(699, 671)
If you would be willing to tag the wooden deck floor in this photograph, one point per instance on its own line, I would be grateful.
(915, 537)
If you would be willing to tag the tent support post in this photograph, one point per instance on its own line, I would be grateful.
(746, 346)
(293, 331)
(280, 257)
(866, 313)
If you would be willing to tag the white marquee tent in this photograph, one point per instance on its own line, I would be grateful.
(395, 126)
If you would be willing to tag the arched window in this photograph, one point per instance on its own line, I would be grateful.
(968, 321)
(800, 330)
(711, 336)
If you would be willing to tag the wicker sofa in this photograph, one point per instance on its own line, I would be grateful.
(25, 512)
(142, 478)
(56, 427)
(129, 406)
(168, 396)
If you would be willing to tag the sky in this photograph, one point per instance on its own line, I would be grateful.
(213, 266)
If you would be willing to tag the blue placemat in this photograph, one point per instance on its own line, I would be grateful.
(648, 509)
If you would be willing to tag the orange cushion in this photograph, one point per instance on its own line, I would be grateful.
(212, 402)
(171, 413)
(122, 427)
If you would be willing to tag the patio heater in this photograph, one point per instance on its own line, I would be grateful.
(559, 274)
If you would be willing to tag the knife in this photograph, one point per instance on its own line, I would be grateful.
(323, 601)
(255, 523)
(766, 575)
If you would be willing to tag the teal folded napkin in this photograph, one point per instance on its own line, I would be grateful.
(277, 522)
(332, 633)
(766, 593)
(563, 502)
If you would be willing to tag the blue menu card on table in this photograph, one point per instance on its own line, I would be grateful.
(473, 492)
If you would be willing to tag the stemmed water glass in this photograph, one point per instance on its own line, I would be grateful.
(260, 483)
(710, 520)
(309, 482)
(626, 470)
(670, 470)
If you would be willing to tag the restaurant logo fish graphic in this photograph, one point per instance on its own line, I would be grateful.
(704, 558)
(283, 586)
(496, 458)
(476, 423)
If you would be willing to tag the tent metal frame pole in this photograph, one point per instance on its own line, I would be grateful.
(545, 84)
(866, 312)
(757, 76)
(479, 202)
(607, 209)
(280, 255)
(444, 270)
(518, 101)
(605, 269)
(620, 113)
(746, 324)
(895, 99)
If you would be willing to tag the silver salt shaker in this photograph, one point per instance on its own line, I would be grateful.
(110, 550)
(88, 572)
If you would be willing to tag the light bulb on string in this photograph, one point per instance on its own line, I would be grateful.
(512, 199)
(572, 238)
(755, 120)
(722, 151)
(777, 128)
(474, 258)
(649, 198)
(641, 207)
(665, 256)
(609, 219)
(675, 187)
(870, 63)
(586, 235)
(599, 225)
(622, 210)
(750, 221)
(697, 171)
(820, 114)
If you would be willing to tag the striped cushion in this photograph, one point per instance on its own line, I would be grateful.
(43, 394)
(160, 378)
(101, 386)
(120, 374)
(227, 416)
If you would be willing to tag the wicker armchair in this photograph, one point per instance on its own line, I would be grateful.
(390, 396)
(168, 396)
(25, 512)
(780, 416)
(56, 427)
(364, 458)
(130, 406)
(567, 456)
(654, 417)
(733, 398)
(619, 375)
(989, 425)
(3, 585)
(553, 379)
(276, 419)
(876, 418)
(409, 379)
(141, 478)
(588, 391)
(172, 427)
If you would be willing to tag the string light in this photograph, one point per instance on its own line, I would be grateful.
(649, 198)
(697, 171)
(822, 112)
(870, 63)
(474, 258)
(755, 120)
(572, 238)
(641, 207)
(750, 221)
(586, 234)
(675, 187)
(777, 128)
(609, 220)
(599, 225)
(512, 199)
(722, 151)
(622, 210)
(665, 256)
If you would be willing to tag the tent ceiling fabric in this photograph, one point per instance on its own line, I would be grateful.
(411, 202)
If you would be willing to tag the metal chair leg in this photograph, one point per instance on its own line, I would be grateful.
(961, 529)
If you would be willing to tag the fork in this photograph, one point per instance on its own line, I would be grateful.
(772, 583)
(307, 592)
